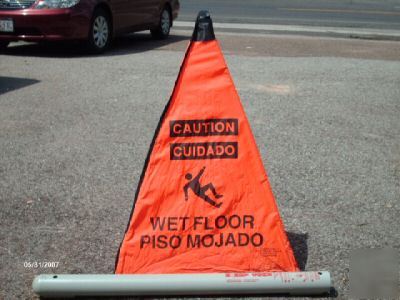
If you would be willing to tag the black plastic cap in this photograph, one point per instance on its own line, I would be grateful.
(203, 30)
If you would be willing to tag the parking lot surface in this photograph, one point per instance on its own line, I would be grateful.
(75, 131)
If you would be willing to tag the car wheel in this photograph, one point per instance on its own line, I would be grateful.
(100, 32)
(164, 25)
(3, 45)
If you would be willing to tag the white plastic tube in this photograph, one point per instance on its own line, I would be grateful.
(291, 283)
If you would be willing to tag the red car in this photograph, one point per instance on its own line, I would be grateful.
(95, 21)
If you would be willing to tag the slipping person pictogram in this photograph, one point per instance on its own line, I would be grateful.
(200, 191)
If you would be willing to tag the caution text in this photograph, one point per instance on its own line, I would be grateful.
(212, 150)
(204, 127)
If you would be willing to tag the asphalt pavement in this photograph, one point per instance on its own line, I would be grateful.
(383, 14)
(75, 131)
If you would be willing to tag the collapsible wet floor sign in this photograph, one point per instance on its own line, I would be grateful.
(204, 203)
(204, 213)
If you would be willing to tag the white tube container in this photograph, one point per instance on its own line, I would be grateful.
(290, 283)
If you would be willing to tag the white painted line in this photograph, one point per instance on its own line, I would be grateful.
(301, 29)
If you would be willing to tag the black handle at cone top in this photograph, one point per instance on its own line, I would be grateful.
(203, 29)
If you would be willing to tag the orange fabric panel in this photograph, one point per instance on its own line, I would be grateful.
(204, 203)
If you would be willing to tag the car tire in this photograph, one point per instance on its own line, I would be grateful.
(3, 45)
(100, 32)
(164, 25)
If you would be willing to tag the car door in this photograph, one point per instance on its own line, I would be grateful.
(127, 14)
(147, 11)
(121, 14)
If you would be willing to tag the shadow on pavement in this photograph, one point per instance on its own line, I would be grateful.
(8, 84)
(136, 43)
(298, 241)
(332, 294)
(128, 44)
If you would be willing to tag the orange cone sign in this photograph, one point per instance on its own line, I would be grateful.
(204, 203)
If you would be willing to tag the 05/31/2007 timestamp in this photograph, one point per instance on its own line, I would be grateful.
(41, 264)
